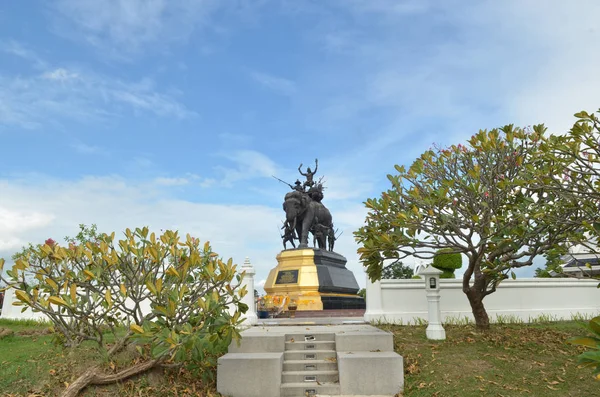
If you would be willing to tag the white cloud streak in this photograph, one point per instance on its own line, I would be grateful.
(18, 49)
(250, 164)
(60, 93)
(121, 28)
(276, 84)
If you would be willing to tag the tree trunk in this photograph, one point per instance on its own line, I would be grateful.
(482, 320)
(94, 377)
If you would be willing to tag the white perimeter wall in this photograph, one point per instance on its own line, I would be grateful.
(403, 301)
(14, 312)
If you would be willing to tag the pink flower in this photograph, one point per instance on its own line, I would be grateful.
(486, 194)
(50, 242)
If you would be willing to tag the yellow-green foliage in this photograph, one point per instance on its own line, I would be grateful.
(103, 284)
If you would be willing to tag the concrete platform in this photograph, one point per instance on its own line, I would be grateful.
(370, 372)
(255, 374)
(352, 359)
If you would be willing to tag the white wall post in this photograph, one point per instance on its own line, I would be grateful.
(374, 307)
(248, 281)
(432, 286)
(7, 304)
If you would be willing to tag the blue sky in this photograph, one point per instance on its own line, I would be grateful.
(175, 113)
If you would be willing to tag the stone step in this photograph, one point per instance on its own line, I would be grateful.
(311, 345)
(329, 355)
(310, 365)
(304, 389)
(310, 337)
(310, 376)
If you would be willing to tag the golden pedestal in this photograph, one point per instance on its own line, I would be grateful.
(314, 278)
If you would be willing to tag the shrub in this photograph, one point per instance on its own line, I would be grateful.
(173, 295)
(447, 261)
(590, 358)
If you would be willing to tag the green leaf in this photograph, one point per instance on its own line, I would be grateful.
(590, 357)
(513, 275)
(159, 350)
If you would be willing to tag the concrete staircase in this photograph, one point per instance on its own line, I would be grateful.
(290, 361)
(309, 365)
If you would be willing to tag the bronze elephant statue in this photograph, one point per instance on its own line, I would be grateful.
(303, 213)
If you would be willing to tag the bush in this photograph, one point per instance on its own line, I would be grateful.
(447, 261)
(173, 295)
(590, 358)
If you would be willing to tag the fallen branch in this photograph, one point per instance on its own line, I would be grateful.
(93, 376)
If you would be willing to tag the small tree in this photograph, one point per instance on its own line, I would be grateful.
(474, 200)
(397, 270)
(447, 261)
(579, 153)
(172, 295)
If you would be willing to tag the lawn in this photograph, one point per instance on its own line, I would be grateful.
(32, 365)
(509, 360)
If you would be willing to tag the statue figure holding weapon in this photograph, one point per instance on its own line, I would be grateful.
(309, 174)
(298, 185)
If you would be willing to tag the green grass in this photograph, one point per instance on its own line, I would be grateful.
(22, 360)
(509, 360)
(19, 325)
(32, 365)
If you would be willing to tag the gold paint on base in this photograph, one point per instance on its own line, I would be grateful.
(306, 291)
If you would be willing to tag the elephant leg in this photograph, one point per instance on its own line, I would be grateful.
(306, 223)
(298, 232)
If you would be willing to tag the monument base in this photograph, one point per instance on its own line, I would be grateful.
(316, 279)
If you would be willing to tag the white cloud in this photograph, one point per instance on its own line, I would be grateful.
(60, 93)
(18, 49)
(37, 208)
(60, 74)
(171, 181)
(563, 77)
(41, 208)
(124, 27)
(83, 148)
(341, 186)
(277, 84)
(250, 164)
(17, 222)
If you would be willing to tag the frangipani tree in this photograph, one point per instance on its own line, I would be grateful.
(177, 300)
(579, 152)
(477, 200)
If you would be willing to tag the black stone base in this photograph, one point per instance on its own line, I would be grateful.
(343, 302)
(333, 275)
